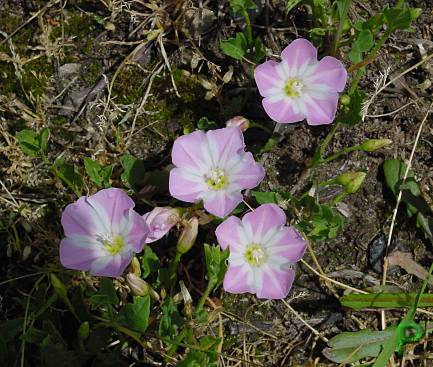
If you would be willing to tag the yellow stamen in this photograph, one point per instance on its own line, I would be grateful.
(255, 255)
(293, 88)
(114, 246)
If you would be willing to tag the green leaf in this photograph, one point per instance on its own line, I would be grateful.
(320, 221)
(33, 143)
(92, 169)
(196, 358)
(394, 171)
(387, 351)
(291, 4)
(235, 47)
(238, 6)
(265, 197)
(341, 7)
(171, 320)
(69, 174)
(205, 124)
(270, 144)
(44, 136)
(106, 294)
(105, 175)
(150, 262)
(259, 50)
(385, 300)
(135, 316)
(363, 43)
(99, 175)
(401, 16)
(215, 263)
(29, 142)
(349, 347)
(133, 170)
(9, 329)
(206, 356)
(351, 114)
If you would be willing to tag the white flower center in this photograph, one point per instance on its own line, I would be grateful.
(294, 88)
(255, 254)
(216, 179)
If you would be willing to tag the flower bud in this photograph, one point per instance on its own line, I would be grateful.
(160, 220)
(370, 145)
(83, 330)
(203, 217)
(240, 122)
(188, 235)
(135, 267)
(345, 100)
(138, 286)
(351, 181)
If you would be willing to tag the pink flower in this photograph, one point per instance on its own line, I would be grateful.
(300, 86)
(160, 221)
(213, 167)
(102, 233)
(262, 252)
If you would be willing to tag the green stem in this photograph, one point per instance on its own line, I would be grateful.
(339, 154)
(261, 127)
(339, 197)
(412, 311)
(172, 270)
(323, 145)
(249, 29)
(205, 295)
(339, 32)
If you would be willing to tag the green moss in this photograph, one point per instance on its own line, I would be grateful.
(93, 72)
(8, 83)
(10, 23)
(188, 86)
(59, 120)
(36, 76)
(77, 24)
(128, 86)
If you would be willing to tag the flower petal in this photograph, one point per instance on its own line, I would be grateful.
(113, 204)
(265, 218)
(160, 220)
(246, 173)
(137, 233)
(221, 203)
(321, 111)
(276, 284)
(282, 110)
(186, 186)
(288, 244)
(79, 218)
(192, 152)
(79, 252)
(331, 72)
(110, 266)
(267, 78)
(224, 143)
(227, 232)
(299, 53)
(237, 279)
